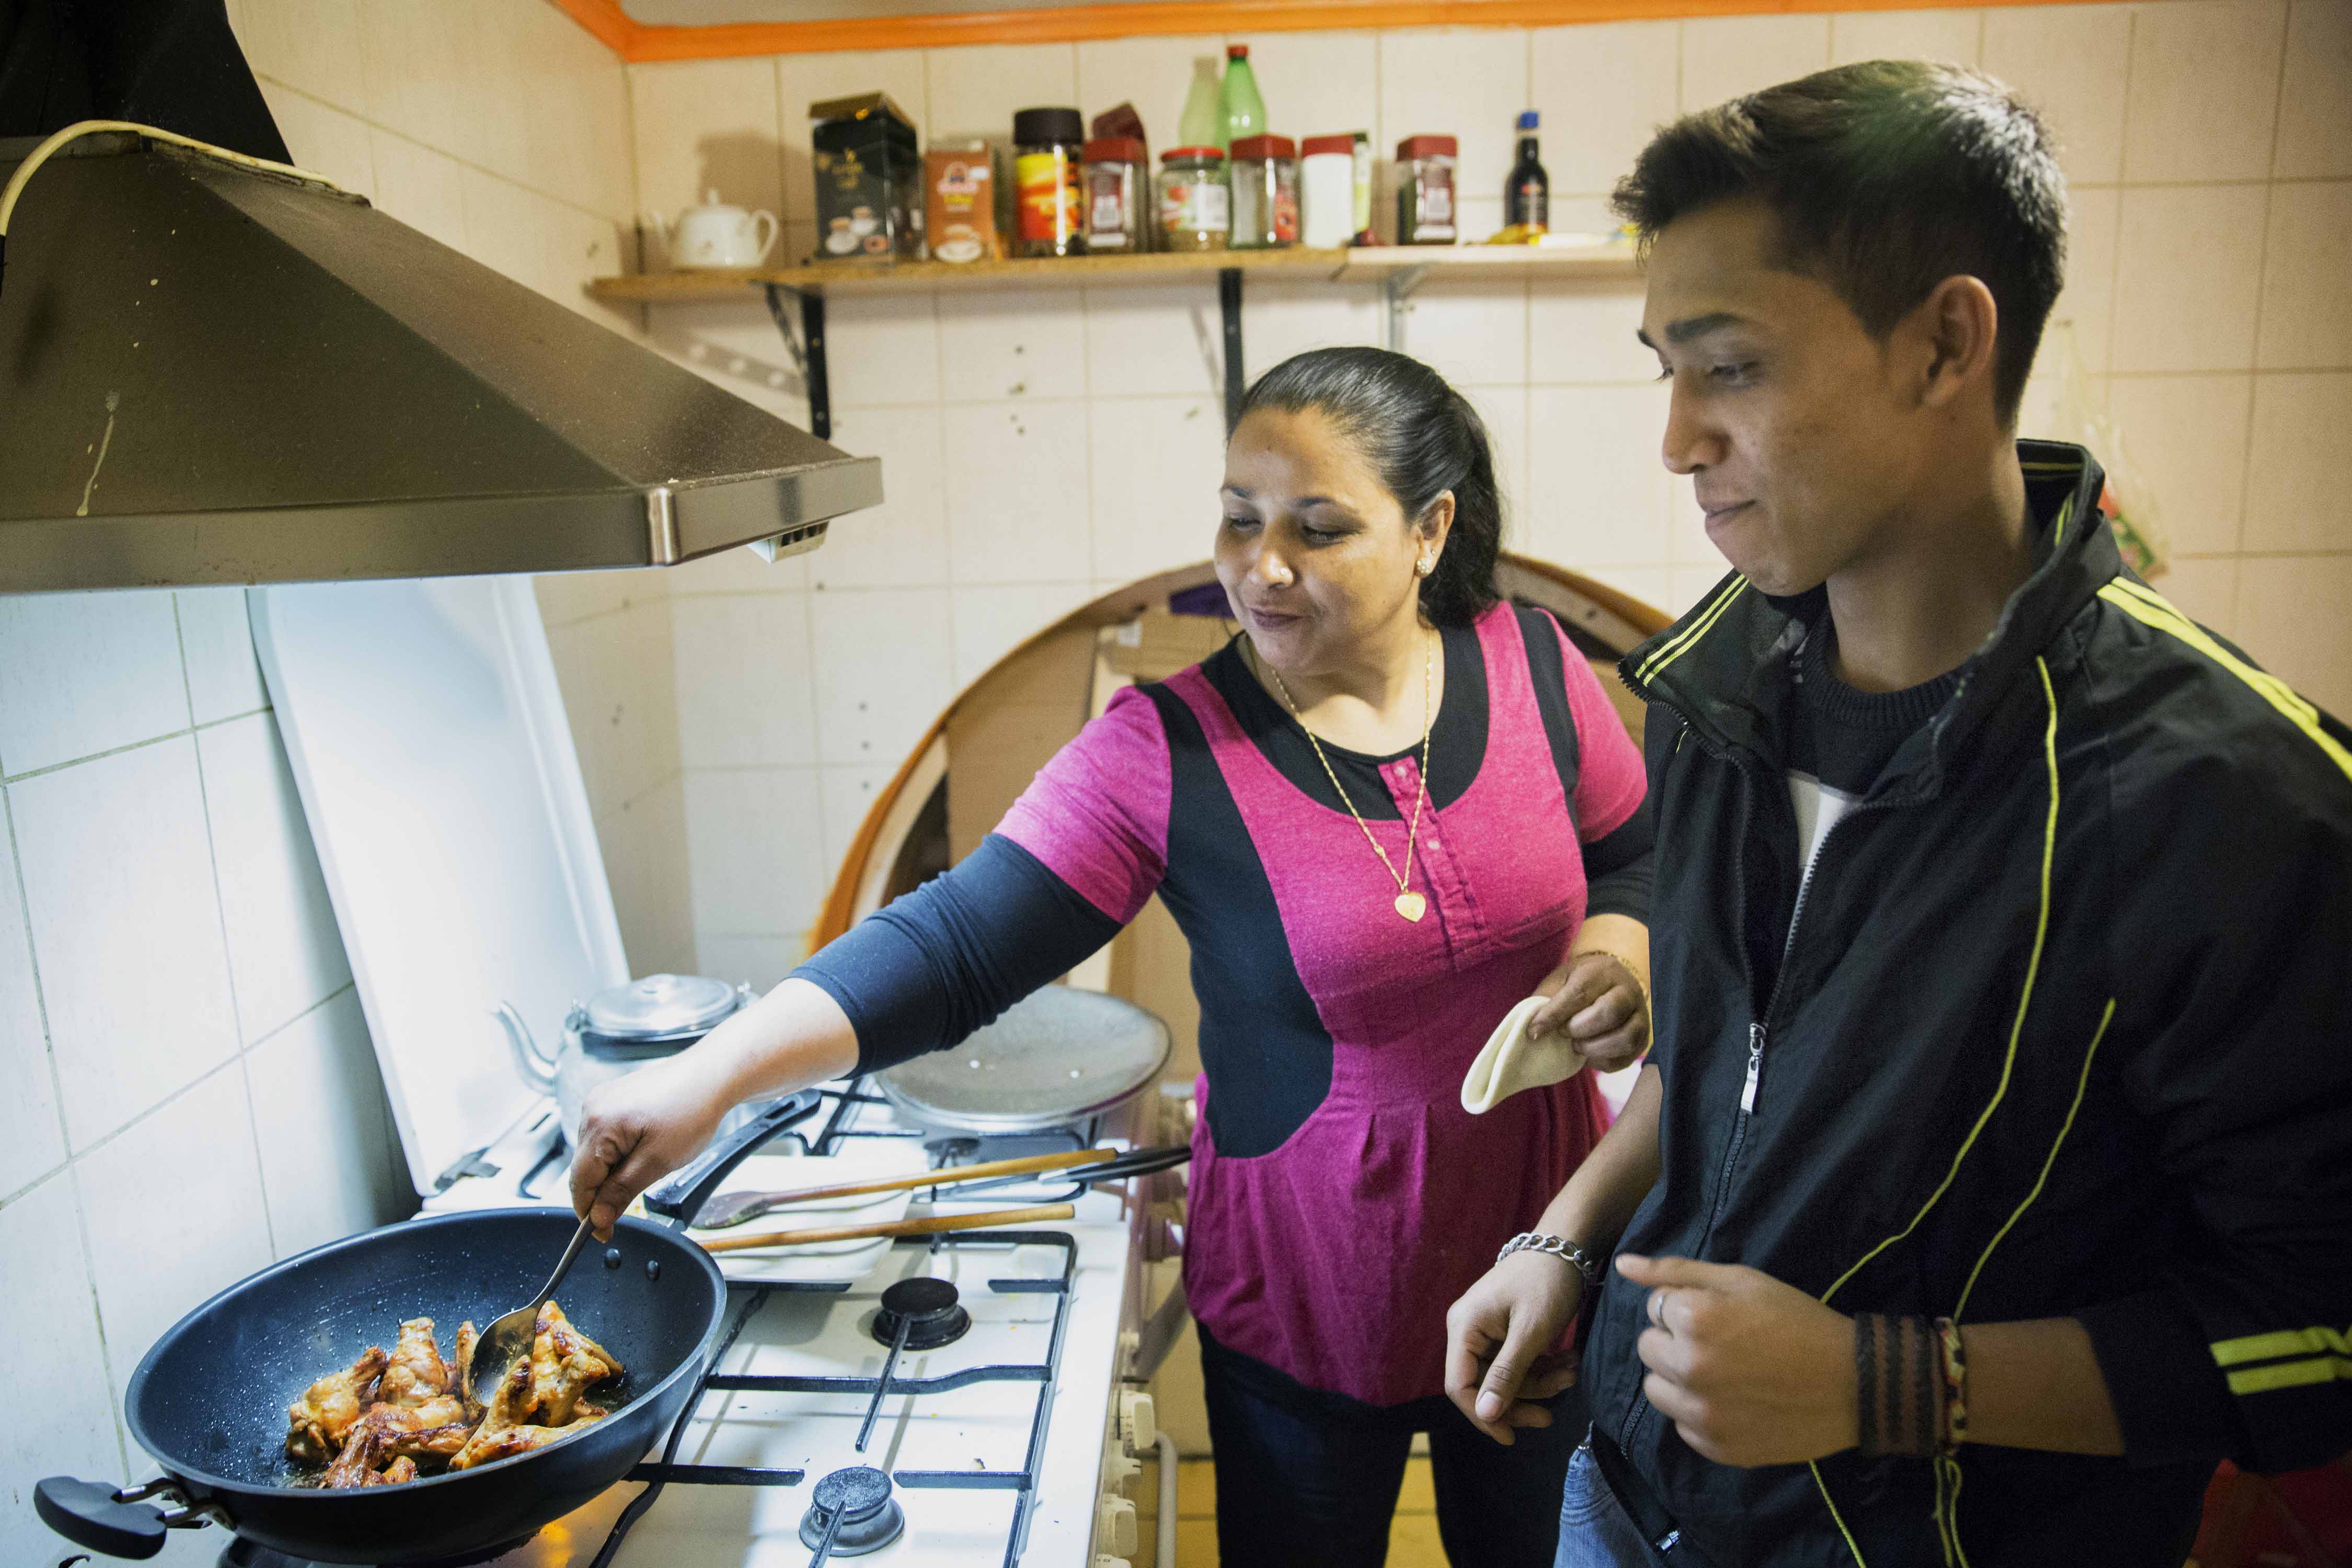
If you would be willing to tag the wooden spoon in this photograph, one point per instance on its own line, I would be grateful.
(930, 1224)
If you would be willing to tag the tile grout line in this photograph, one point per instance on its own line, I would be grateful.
(2261, 283)
(40, 1000)
(190, 731)
(220, 912)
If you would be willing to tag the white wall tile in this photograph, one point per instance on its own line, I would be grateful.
(1157, 463)
(1017, 511)
(35, 1139)
(570, 97)
(1154, 74)
(974, 91)
(285, 952)
(2315, 102)
(1726, 56)
(644, 846)
(805, 80)
(734, 345)
(1280, 320)
(903, 542)
(2187, 436)
(1466, 82)
(754, 859)
(504, 227)
(2291, 615)
(1603, 91)
(51, 1323)
(126, 930)
(2188, 267)
(759, 961)
(1584, 332)
(884, 668)
(2070, 62)
(704, 125)
(423, 188)
(217, 640)
(565, 597)
(1597, 495)
(83, 673)
(884, 350)
(1025, 343)
(1474, 332)
(1949, 36)
(1686, 585)
(318, 1114)
(1653, 585)
(1159, 340)
(312, 46)
(322, 139)
(848, 793)
(1504, 411)
(424, 71)
(2306, 321)
(2088, 300)
(2204, 89)
(2295, 497)
(988, 624)
(2205, 589)
(1319, 84)
(175, 1213)
(616, 675)
(742, 681)
(576, 248)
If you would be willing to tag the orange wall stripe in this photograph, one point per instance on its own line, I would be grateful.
(637, 42)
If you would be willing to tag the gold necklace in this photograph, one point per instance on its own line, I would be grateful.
(1409, 904)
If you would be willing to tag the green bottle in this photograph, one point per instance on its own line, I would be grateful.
(1243, 112)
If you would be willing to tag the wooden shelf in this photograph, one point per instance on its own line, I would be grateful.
(1369, 265)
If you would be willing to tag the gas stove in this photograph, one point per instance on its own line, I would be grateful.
(959, 1405)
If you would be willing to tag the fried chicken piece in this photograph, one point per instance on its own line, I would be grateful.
(416, 1372)
(501, 1436)
(436, 1429)
(563, 1363)
(462, 1383)
(319, 1423)
(394, 1474)
(362, 1452)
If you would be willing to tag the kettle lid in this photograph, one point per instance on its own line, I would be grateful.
(660, 1004)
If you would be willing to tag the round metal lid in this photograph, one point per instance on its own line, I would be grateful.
(660, 1004)
(1053, 1056)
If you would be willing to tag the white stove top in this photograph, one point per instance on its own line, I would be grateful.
(985, 1426)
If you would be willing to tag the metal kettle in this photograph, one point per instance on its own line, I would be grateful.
(617, 1031)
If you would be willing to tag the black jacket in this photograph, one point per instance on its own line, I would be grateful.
(2060, 1030)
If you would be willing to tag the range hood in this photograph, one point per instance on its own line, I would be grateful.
(211, 373)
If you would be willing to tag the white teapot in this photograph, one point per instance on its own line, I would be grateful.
(717, 235)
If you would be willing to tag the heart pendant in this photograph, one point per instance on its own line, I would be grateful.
(1411, 906)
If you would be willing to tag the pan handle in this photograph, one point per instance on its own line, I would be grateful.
(681, 1198)
(94, 1515)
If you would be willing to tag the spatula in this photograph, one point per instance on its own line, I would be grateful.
(508, 1339)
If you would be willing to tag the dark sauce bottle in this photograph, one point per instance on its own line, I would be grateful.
(1527, 194)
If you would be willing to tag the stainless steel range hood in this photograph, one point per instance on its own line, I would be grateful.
(210, 374)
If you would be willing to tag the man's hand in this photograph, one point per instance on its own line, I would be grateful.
(1500, 1341)
(1750, 1370)
(1598, 1004)
(634, 1131)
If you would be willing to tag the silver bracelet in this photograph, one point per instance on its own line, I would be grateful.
(1536, 1241)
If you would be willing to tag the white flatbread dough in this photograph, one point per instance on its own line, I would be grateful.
(1511, 1062)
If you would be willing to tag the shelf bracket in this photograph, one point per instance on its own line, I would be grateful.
(1229, 306)
(1396, 292)
(807, 352)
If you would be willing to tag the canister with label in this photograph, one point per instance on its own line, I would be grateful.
(1119, 197)
(1426, 190)
(1047, 178)
(1195, 207)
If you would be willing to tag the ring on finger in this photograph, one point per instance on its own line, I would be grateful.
(1657, 1306)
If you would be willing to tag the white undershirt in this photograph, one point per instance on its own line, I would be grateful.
(1818, 807)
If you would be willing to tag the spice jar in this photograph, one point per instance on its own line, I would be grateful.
(1117, 196)
(1266, 193)
(1046, 167)
(1426, 190)
(1195, 208)
(1326, 192)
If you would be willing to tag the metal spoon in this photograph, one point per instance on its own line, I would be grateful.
(508, 1339)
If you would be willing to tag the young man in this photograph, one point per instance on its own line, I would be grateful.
(1991, 1177)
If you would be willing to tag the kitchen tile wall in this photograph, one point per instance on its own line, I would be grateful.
(1038, 447)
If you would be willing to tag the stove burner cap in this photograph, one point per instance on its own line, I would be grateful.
(929, 1309)
(870, 1520)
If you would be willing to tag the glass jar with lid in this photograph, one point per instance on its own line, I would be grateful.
(1195, 207)
(1266, 193)
(1426, 190)
(1119, 202)
(1045, 173)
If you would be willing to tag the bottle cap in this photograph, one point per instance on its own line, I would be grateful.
(1527, 120)
(1042, 127)
(1236, 51)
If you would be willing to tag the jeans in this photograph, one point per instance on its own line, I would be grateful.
(1593, 1530)
(1308, 1478)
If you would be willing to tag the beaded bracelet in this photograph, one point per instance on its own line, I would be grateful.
(1955, 1359)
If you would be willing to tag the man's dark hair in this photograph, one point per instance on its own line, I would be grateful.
(1423, 438)
(1886, 178)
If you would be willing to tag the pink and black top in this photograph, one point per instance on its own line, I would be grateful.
(1341, 1198)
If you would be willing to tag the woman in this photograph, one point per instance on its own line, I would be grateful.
(1385, 813)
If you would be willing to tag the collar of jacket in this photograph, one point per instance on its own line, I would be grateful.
(1724, 666)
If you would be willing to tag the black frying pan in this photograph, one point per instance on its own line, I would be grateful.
(209, 1400)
